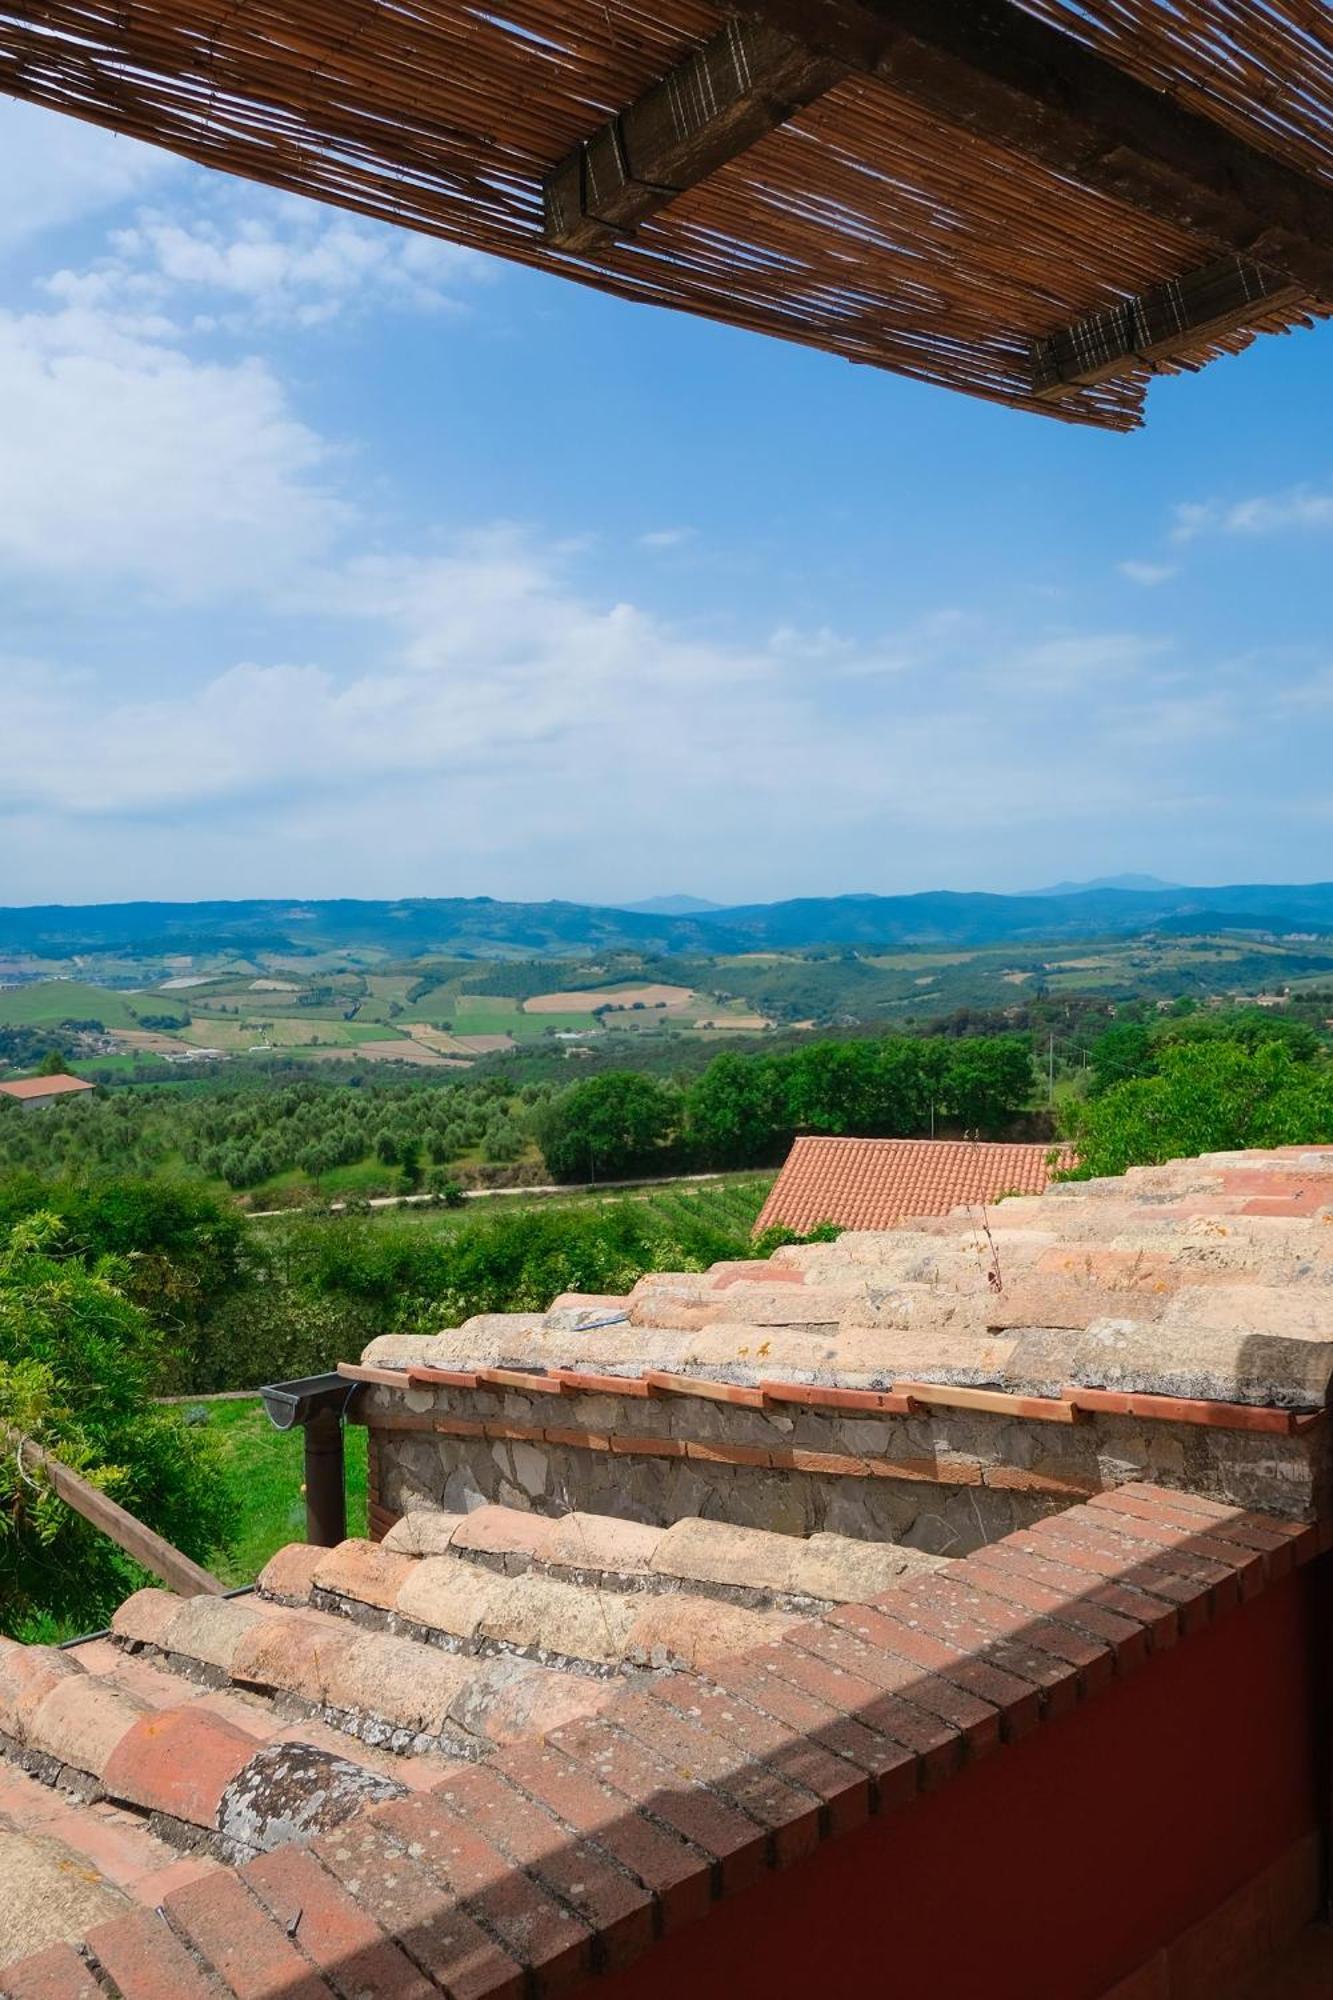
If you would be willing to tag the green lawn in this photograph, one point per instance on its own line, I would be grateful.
(92, 1067)
(51, 1000)
(263, 1468)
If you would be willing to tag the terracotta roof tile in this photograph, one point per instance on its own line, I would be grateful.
(557, 1858)
(652, 1715)
(178, 1761)
(875, 1183)
(30, 1087)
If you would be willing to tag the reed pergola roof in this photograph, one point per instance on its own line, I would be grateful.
(1041, 203)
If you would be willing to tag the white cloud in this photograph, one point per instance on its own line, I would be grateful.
(1068, 662)
(268, 261)
(128, 460)
(56, 170)
(1147, 574)
(1301, 509)
(666, 538)
(505, 713)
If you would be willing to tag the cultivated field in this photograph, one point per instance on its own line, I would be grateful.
(119, 1015)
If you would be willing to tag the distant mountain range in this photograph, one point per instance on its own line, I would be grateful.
(1152, 882)
(479, 927)
(671, 906)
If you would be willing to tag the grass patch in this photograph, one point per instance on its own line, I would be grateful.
(264, 1469)
(50, 1001)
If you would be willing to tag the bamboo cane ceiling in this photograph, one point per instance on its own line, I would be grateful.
(866, 224)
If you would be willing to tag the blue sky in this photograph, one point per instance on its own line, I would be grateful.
(335, 561)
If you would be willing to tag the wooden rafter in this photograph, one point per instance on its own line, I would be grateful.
(715, 104)
(1166, 321)
(990, 68)
(970, 182)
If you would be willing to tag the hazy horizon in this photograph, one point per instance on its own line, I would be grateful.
(704, 905)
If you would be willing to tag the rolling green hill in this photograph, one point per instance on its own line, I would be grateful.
(479, 927)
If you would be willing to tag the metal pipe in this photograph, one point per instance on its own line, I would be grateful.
(318, 1403)
(325, 1488)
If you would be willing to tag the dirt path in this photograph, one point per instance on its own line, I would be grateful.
(488, 1194)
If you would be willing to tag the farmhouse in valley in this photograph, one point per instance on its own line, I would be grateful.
(35, 1093)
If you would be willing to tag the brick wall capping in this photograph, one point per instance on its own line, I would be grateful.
(528, 1382)
(580, 1381)
(740, 1394)
(376, 1378)
(421, 1377)
(902, 1398)
(991, 1402)
(1179, 1410)
(817, 1396)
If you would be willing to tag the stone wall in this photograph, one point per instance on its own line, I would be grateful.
(941, 1480)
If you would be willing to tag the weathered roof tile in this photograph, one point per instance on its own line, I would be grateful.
(674, 1630)
(27, 1675)
(409, 1901)
(504, 1531)
(333, 1929)
(81, 1721)
(530, 1923)
(58, 1973)
(144, 1619)
(178, 1761)
(602, 1541)
(426, 1532)
(363, 1570)
(290, 1574)
(717, 1552)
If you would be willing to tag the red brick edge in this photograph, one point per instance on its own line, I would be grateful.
(565, 1857)
(1073, 1405)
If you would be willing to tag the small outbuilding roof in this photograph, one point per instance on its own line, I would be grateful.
(1043, 202)
(875, 1183)
(29, 1087)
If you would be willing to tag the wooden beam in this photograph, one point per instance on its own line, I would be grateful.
(723, 97)
(989, 68)
(177, 1571)
(1166, 321)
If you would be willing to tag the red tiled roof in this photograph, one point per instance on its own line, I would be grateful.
(44, 1086)
(875, 1183)
(560, 1858)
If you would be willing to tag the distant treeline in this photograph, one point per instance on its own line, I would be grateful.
(742, 1110)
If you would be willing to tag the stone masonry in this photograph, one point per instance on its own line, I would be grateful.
(940, 1384)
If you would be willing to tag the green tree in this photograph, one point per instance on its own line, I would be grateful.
(1123, 1052)
(988, 1080)
(52, 1063)
(736, 1112)
(1206, 1097)
(77, 1362)
(180, 1253)
(608, 1128)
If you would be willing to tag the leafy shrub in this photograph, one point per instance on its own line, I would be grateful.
(77, 1361)
(1204, 1097)
(179, 1252)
